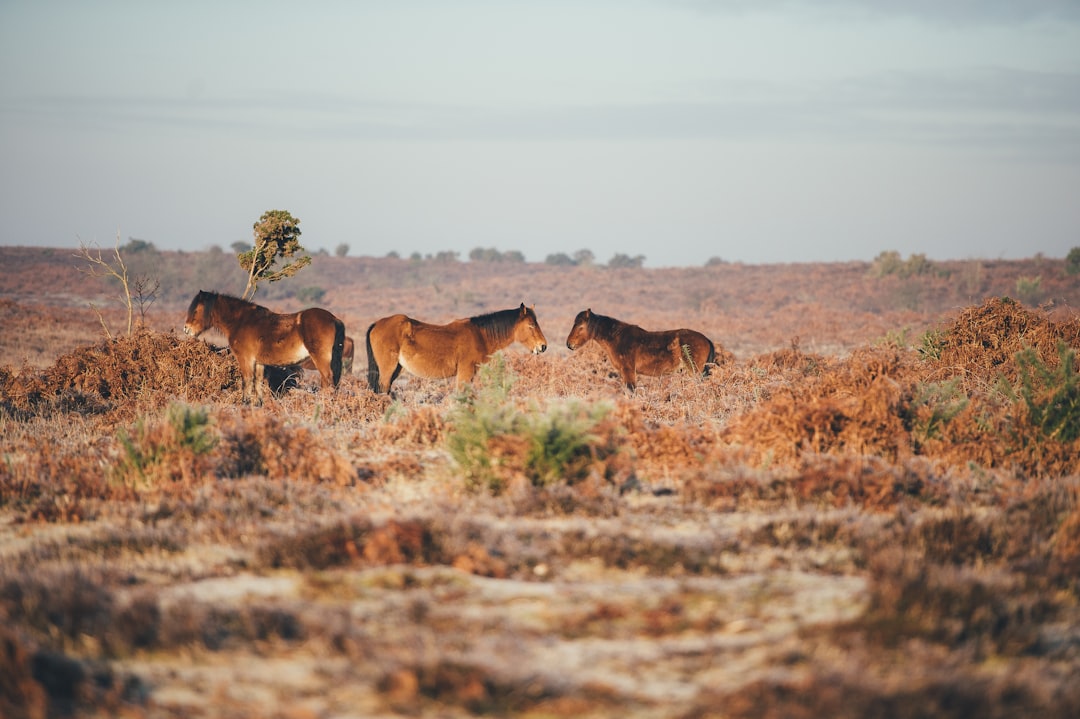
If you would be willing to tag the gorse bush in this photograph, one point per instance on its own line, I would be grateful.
(1029, 289)
(160, 450)
(1051, 394)
(482, 412)
(889, 262)
(935, 404)
(561, 442)
(192, 427)
(933, 341)
(492, 440)
(1072, 261)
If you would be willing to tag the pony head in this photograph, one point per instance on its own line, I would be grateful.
(527, 330)
(579, 333)
(198, 314)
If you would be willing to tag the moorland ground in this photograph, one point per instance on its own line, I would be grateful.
(869, 507)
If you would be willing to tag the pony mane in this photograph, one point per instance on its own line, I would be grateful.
(500, 323)
(232, 300)
(225, 295)
(603, 325)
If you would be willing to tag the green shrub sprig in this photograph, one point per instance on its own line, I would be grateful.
(492, 440)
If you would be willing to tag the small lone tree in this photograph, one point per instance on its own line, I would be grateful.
(277, 236)
(98, 266)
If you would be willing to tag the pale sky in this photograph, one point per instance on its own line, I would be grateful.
(752, 131)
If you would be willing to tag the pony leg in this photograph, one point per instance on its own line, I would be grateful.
(372, 363)
(260, 383)
(382, 352)
(247, 377)
(393, 376)
(465, 373)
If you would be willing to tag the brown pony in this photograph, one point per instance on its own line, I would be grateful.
(454, 349)
(258, 337)
(282, 379)
(633, 350)
(347, 352)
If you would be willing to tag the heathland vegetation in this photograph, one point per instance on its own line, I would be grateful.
(869, 507)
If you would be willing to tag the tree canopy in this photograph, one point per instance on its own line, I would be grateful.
(277, 237)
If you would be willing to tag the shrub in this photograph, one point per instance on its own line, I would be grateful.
(561, 443)
(310, 295)
(155, 451)
(492, 441)
(886, 263)
(890, 263)
(916, 265)
(934, 404)
(623, 261)
(1029, 289)
(1072, 261)
(1051, 394)
(933, 342)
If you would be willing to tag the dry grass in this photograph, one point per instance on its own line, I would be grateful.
(838, 524)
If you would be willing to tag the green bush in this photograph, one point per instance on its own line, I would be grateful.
(310, 295)
(492, 440)
(1051, 394)
(933, 342)
(889, 263)
(561, 443)
(1072, 261)
(155, 450)
(933, 405)
(1029, 289)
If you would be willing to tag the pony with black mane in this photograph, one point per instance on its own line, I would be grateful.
(634, 350)
(455, 349)
(347, 351)
(258, 337)
(283, 379)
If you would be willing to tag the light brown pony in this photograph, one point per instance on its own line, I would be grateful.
(456, 349)
(634, 350)
(259, 337)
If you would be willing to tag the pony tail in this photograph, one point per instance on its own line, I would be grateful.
(710, 361)
(339, 349)
(372, 365)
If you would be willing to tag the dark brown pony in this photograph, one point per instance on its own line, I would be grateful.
(259, 337)
(451, 350)
(633, 350)
(282, 379)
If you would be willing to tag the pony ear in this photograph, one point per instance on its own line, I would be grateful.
(523, 310)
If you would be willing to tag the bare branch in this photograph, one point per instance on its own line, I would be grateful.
(98, 266)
